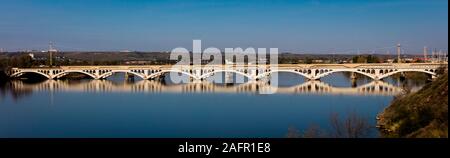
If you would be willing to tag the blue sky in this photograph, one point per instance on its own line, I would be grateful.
(309, 26)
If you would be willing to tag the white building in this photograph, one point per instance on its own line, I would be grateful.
(31, 55)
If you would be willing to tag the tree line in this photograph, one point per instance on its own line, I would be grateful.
(25, 60)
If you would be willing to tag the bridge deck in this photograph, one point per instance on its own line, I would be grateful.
(278, 65)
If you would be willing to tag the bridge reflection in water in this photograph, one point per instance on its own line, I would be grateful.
(151, 86)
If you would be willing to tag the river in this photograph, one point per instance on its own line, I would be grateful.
(119, 108)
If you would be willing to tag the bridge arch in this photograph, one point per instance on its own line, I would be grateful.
(105, 74)
(289, 71)
(204, 76)
(431, 72)
(362, 72)
(30, 71)
(156, 74)
(66, 72)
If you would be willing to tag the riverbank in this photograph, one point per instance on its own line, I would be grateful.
(423, 114)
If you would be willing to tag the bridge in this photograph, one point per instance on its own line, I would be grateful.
(309, 87)
(376, 71)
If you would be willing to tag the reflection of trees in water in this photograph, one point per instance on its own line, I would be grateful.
(75, 76)
(344, 79)
(3, 90)
(409, 81)
(351, 126)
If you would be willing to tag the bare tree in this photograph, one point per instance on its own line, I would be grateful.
(336, 126)
(353, 126)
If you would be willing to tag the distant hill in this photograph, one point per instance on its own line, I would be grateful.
(108, 56)
(422, 114)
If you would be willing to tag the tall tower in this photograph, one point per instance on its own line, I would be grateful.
(425, 52)
(399, 50)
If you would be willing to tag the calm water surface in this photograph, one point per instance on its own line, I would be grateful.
(118, 108)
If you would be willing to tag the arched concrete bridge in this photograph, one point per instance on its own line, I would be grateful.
(252, 72)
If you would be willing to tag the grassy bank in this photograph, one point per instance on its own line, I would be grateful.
(423, 114)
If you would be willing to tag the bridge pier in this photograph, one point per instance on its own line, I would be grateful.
(353, 75)
(433, 77)
(228, 78)
(129, 77)
(402, 76)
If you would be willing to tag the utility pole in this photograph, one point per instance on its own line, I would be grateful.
(399, 49)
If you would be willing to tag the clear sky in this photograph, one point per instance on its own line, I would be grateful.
(309, 26)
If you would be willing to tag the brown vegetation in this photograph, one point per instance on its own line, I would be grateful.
(418, 115)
